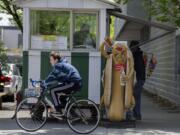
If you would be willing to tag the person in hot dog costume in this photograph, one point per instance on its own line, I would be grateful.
(117, 98)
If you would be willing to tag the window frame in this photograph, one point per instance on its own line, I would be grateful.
(71, 27)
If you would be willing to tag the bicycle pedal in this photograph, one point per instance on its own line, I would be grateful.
(55, 114)
(59, 118)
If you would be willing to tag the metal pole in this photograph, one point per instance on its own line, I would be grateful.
(107, 24)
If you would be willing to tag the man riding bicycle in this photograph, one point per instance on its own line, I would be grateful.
(64, 78)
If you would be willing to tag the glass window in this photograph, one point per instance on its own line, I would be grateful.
(50, 30)
(85, 30)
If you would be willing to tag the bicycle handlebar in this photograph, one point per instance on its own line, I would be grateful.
(34, 82)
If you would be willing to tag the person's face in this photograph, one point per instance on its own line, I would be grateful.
(53, 61)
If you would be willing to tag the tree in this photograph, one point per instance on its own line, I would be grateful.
(3, 55)
(7, 6)
(162, 10)
(165, 11)
(112, 28)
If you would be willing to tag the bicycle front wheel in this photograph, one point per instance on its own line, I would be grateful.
(83, 116)
(31, 114)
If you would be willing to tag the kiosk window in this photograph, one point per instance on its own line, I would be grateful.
(62, 30)
(85, 30)
(50, 29)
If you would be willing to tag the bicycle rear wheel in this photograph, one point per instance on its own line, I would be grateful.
(83, 116)
(31, 114)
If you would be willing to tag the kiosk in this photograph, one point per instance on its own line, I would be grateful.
(75, 28)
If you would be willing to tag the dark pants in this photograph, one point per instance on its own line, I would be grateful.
(63, 88)
(137, 95)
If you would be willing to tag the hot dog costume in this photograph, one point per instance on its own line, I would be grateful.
(117, 99)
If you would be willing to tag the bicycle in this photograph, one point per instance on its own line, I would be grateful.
(82, 115)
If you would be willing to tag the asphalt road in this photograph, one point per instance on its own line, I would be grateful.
(156, 121)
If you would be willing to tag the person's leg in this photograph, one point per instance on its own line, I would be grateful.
(62, 94)
(130, 115)
(63, 88)
(137, 95)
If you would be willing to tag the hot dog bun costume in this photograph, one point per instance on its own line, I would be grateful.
(117, 99)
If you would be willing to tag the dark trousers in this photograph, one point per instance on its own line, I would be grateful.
(137, 95)
(63, 88)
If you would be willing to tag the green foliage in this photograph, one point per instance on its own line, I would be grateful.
(89, 19)
(50, 22)
(165, 10)
(112, 28)
(7, 6)
(162, 10)
(3, 55)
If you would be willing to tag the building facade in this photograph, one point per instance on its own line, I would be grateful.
(164, 45)
(10, 35)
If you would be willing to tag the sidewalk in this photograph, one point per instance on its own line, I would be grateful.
(156, 121)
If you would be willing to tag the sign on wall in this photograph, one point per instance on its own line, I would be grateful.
(49, 42)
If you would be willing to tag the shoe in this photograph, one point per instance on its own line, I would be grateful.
(139, 118)
(130, 118)
(55, 114)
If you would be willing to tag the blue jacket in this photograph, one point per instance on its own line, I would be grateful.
(62, 72)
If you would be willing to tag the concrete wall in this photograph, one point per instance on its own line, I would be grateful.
(119, 23)
(136, 8)
(10, 37)
(133, 8)
(164, 80)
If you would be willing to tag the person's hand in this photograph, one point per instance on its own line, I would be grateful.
(43, 85)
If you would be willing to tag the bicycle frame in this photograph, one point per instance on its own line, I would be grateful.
(70, 99)
(72, 111)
